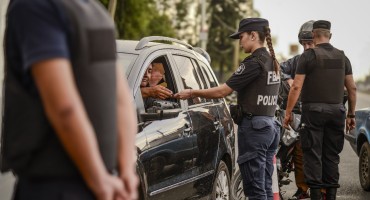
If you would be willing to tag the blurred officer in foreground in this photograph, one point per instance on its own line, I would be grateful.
(288, 69)
(69, 125)
(320, 75)
(257, 83)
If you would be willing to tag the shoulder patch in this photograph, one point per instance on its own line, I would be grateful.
(240, 69)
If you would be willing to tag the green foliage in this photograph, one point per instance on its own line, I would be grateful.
(224, 20)
(136, 19)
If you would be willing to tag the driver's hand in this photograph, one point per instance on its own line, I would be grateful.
(160, 92)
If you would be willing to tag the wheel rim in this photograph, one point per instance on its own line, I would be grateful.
(222, 187)
(364, 166)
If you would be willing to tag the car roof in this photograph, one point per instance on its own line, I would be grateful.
(137, 47)
(128, 46)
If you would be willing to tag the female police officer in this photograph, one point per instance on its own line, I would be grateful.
(257, 84)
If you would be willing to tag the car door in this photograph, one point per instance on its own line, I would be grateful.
(170, 154)
(205, 124)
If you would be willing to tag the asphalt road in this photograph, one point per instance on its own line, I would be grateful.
(349, 180)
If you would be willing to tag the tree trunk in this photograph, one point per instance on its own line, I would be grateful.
(112, 8)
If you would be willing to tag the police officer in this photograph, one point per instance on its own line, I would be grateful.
(320, 75)
(288, 69)
(68, 124)
(257, 83)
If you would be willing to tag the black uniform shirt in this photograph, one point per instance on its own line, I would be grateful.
(247, 72)
(307, 61)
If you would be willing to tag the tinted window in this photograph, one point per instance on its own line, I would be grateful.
(189, 77)
(211, 82)
(208, 75)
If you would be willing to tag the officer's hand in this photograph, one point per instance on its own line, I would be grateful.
(288, 120)
(160, 92)
(350, 124)
(109, 187)
(131, 183)
(185, 94)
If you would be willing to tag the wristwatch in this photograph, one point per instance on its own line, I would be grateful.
(350, 116)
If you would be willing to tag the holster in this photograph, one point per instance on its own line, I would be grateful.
(236, 113)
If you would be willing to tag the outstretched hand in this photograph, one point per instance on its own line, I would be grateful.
(185, 94)
(161, 92)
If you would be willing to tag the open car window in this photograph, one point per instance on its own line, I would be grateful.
(156, 108)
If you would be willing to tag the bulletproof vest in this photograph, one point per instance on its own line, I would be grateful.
(325, 82)
(29, 143)
(260, 97)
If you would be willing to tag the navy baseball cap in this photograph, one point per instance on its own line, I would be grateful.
(250, 24)
(321, 24)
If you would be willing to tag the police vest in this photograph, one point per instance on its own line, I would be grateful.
(29, 143)
(325, 83)
(260, 97)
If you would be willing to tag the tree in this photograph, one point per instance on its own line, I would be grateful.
(223, 21)
(137, 19)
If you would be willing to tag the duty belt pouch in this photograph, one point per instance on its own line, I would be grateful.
(236, 113)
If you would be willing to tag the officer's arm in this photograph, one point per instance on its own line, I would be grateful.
(66, 113)
(295, 91)
(127, 129)
(351, 88)
(211, 93)
(288, 70)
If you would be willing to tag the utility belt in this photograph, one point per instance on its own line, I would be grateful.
(237, 114)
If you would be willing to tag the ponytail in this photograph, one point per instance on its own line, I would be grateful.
(271, 49)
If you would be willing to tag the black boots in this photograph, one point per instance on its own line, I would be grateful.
(315, 194)
(331, 193)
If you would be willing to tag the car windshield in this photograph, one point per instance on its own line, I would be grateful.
(126, 60)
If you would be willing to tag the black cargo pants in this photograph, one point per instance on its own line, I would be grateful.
(322, 139)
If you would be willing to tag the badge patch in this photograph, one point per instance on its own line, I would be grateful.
(240, 69)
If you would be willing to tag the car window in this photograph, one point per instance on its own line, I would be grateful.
(189, 76)
(208, 75)
(158, 74)
(210, 80)
(205, 81)
(125, 60)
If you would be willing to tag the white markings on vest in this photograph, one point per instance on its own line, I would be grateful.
(272, 78)
(267, 100)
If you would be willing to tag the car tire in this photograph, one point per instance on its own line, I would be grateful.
(364, 166)
(221, 185)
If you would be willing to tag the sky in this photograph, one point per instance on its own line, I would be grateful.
(350, 26)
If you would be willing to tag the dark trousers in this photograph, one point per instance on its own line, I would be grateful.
(258, 140)
(52, 190)
(322, 139)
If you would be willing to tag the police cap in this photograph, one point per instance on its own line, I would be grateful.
(250, 24)
(322, 24)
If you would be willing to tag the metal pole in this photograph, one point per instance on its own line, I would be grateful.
(203, 31)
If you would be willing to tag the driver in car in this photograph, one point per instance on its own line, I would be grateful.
(149, 93)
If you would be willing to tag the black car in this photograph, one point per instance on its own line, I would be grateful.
(185, 147)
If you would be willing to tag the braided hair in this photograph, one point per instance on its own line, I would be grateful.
(271, 49)
(266, 35)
